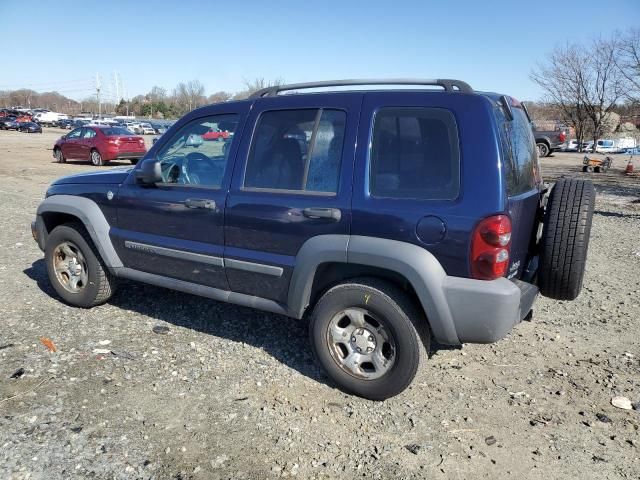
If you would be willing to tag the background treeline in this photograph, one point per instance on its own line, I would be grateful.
(594, 87)
(158, 103)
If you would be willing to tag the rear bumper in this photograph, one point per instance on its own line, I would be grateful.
(119, 155)
(486, 311)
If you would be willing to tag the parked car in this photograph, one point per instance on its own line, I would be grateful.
(9, 119)
(159, 129)
(587, 146)
(65, 123)
(632, 151)
(134, 127)
(147, 129)
(415, 215)
(10, 124)
(99, 145)
(217, 134)
(49, 118)
(548, 141)
(29, 127)
(572, 145)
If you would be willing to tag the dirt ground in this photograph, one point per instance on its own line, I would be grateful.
(233, 393)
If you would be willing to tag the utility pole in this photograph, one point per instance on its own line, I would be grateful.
(98, 94)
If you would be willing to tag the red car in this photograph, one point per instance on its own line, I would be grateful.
(219, 135)
(99, 144)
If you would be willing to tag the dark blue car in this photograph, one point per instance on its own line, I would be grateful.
(384, 217)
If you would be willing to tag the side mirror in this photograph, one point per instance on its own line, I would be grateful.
(149, 172)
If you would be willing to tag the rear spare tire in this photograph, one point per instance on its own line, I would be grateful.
(565, 238)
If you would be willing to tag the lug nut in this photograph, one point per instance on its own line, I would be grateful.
(369, 349)
(353, 339)
(371, 338)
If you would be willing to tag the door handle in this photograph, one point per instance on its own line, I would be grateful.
(317, 212)
(200, 203)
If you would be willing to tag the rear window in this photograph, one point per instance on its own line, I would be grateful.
(520, 158)
(116, 131)
(414, 154)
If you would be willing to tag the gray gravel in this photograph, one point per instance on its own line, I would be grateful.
(228, 392)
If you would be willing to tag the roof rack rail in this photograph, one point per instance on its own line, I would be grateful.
(449, 85)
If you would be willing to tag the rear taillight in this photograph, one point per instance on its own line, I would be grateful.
(563, 137)
(113, 141)
(490, 245)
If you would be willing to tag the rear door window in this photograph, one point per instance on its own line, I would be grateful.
(297, 151)
(414, 154)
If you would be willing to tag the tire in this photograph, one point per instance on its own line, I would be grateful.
(96, 286)
(96, 158)
(134, 161)
(403, 325)
(59, 156)
(565, 238)
(590, 169)
(584, 168)
(597, 169)
(543, 150)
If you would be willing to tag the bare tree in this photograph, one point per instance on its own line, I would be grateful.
(628, 61)
(219, 97)
(603, 86)
(252, 86)
(562, 77)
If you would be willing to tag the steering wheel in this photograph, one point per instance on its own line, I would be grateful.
(188, 163)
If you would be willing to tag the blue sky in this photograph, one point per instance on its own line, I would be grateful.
(492, 44)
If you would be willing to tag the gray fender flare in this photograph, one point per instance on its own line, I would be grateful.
(421, 269)
(93, 219)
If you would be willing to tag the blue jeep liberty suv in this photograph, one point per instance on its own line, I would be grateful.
(386, 212)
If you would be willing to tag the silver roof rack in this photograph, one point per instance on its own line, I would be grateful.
(449, 85)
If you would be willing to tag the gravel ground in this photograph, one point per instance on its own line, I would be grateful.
(229, 392)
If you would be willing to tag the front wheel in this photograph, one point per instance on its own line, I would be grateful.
(59, 156)
(75, 269)
(369, 337)
(96, 158)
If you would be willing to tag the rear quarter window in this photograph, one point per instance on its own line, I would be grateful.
(520, 158)
(414, 154)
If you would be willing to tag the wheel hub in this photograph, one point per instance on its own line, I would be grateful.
(363, 340)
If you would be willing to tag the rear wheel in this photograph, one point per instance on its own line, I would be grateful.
(543, 149)
(565, 238)
(75, 269)
(589, 169)
(96, 158)
(369, 337)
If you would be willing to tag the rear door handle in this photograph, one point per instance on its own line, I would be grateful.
(200, 203)
(317, 212)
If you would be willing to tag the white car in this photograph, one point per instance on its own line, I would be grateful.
(147, 129)
(133, 127)
(572, 146)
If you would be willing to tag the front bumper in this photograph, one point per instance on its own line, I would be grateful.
(39, 232)
(486, 311)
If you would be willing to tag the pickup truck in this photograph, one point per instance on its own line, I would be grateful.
(548, 141)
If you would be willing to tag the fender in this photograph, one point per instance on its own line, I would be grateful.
(93, 219)
(421, 269)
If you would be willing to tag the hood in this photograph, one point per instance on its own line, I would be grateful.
(114, 176)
